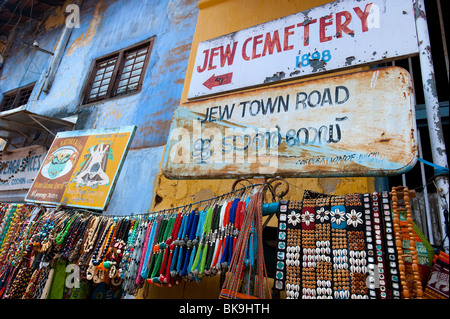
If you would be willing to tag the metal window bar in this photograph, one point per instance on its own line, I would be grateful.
(426, 217)
(8, 102)
(102, 79)
(17, 98)
(24, 96)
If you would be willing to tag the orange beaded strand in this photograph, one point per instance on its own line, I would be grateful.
(408, 235)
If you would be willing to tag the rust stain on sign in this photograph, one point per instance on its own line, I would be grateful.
(359, 124)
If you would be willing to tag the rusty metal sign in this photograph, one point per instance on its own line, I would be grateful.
(336, 35)
(359, 124)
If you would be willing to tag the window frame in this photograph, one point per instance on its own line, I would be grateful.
(18, 95)
(118, 67)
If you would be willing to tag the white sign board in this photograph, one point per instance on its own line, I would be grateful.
(19, 168)
(336, 35)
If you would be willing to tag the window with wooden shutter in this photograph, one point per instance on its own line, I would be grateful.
(118, 73)
(16, 97)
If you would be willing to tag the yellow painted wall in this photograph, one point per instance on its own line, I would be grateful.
(216, 18)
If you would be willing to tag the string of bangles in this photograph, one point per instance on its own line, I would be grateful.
(161, 248)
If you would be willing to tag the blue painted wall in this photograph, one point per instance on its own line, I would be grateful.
(107, 26)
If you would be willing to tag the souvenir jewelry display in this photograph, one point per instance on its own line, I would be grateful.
(404, 239)
(293, 250)
(353, 246)
(391, 254)
(372, 280)
(324, 269)
(280, 275)
(308, 248)
(357, 255)
(346, 251)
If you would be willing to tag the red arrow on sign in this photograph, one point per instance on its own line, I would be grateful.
(218, 80)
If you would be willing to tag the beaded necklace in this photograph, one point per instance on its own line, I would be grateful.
(208, 271)
(91, 234)
(357, 256)
(391, 254)
(103, 245)
(379, 246)
(76, 252)
(191, 230)
(7, 222)
(252, 218)
(223, 237)
(171, 247)
(339, 245)
(71, 236)
(153, 249)
(146, 248)
(309, 282)
(164, 247)
(9, 236)
(86, 259)
(21, 242)
(280, 274)
(183, 241)
(219, 241)
(128, 249)
(208, 245)
(60, 237)
(178, 244)
(131, 283)
(323, 251)
(371, 256)
(159, 250)
(227, 252)
(414, 289)
(197, 250)
(41, 234)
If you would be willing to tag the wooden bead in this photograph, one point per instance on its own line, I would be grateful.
(419, 292)
(406, 294)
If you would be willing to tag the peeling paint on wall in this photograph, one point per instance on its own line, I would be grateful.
(85, 38)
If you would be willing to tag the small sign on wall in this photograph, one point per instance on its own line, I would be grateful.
(81, 168)
(336, 35)
(19, 167)
(359, 124)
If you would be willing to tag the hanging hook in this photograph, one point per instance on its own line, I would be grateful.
(278, 182)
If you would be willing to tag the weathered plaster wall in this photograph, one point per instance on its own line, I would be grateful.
(216, 18)
(107, 26)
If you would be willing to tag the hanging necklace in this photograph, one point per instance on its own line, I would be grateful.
(212, 241)
(182, 244)
(178, 244)
(128, 248)
(189, 244)
(220, 236)
(60, 237)
(90, 238)
(408, 235)
(171, 247)
(206, 240)
(103, 243)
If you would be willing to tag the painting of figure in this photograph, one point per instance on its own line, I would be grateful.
(93, 169)
(60, 162)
